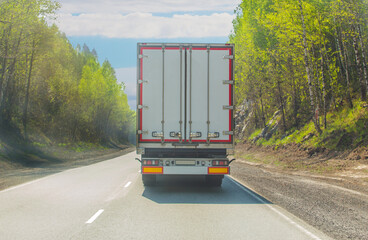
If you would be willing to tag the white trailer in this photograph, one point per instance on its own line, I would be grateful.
(185, 110)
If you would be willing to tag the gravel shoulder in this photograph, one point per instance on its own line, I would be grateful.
(327, 203)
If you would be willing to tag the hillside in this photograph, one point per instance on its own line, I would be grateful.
(345, 129)
(53, 95)
(301, 73)
(339, 154)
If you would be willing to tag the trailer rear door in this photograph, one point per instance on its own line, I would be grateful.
(185, 93)
(210, 94)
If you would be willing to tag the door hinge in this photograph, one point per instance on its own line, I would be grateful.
(142, 106)
(142, 132)
(228, 107)
(231, 82)
(142, 81)
(229, 57)
(175, 134)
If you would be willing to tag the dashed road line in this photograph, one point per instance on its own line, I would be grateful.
(128, 184)
(94, 217)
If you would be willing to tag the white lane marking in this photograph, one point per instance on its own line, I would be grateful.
(127, 185)
(33, 181)
(276, 211)
(54, 174)
(22, 185)
(94, 217)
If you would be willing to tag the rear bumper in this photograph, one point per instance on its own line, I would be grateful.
(185, 170)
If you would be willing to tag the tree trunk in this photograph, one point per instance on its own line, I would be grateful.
(341, 62)
(25, 109)
(282, 106)
(363, 94)
(262, 108)
(316, 78)
(8, 77)
(4, 62)
(346, 61)
(364, 60)
(296, 104)
(324, 91)
(295, 94)
(107, 132)
(255, 114)
(309, 75)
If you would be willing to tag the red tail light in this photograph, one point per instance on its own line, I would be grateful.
(220, 162)
(151, 162)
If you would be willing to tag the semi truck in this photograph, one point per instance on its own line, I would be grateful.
(185, 108)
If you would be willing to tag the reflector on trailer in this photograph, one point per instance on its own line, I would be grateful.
(152, 170)
(218, 170)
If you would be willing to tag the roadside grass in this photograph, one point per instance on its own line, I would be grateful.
(39, 151)
(277, 161)
(76, 147)
(346, 129)
(37, 144)
(320, 169)
(249, 157)
(263, 160)
(255, 133)
(85, 146)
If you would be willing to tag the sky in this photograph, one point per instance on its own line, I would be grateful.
(114, 27)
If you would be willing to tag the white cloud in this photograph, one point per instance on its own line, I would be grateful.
(157, 6)
(145, 25)
(128, 77)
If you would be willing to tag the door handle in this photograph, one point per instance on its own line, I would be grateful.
(175, 134)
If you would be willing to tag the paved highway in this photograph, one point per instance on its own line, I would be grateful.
(107, 200)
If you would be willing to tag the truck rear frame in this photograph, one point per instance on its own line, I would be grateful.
(185, 110)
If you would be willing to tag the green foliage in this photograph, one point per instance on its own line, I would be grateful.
(254, 134)
(306, 76)
(85, 146)
(347, 128)
(37, 144)
(51, 88)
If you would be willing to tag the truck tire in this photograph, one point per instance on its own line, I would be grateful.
(149, 180)
(214, 181)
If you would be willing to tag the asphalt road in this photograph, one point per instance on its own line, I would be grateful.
(107, 200)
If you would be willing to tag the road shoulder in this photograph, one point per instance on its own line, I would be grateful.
(338, 211)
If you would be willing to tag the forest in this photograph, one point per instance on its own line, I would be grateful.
(48, 88)
(305, 59)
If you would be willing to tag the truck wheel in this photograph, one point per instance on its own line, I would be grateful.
(214, 181)
(149, 180)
